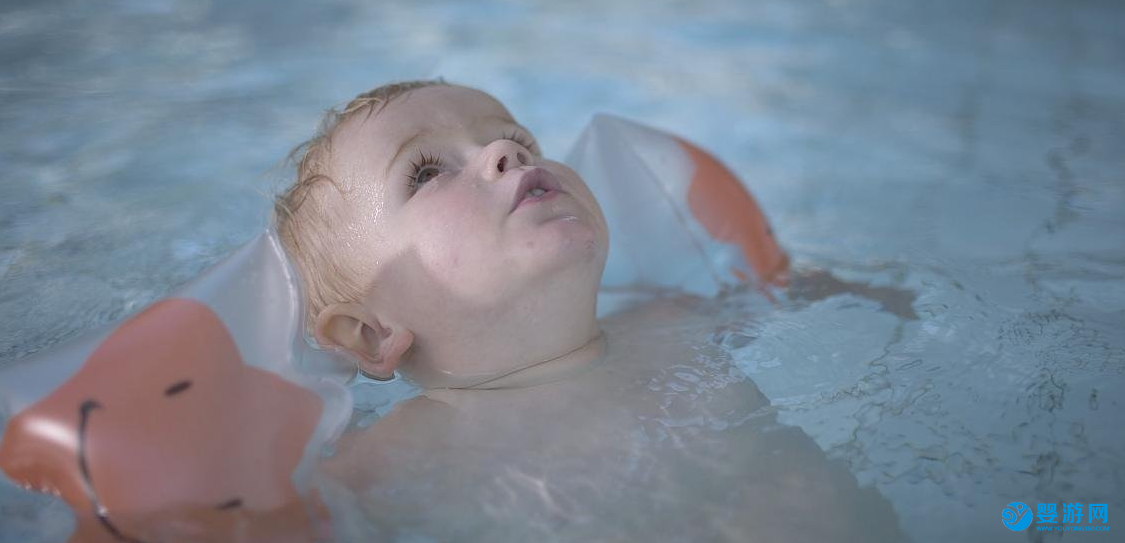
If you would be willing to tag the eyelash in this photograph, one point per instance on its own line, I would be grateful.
(434, 160)
(516, 137)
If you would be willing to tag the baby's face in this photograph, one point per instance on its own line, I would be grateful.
(433, 213)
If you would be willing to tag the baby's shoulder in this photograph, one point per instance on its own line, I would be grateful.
(410, 424)
(659, 312)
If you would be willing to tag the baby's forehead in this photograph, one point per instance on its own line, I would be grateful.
(430, 109)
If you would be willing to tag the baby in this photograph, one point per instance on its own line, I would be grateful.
(434, 239)
(431, 234)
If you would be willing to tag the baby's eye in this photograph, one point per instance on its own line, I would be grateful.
(424, 170)
(425, 174)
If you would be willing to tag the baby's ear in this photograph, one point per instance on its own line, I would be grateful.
(376, 347)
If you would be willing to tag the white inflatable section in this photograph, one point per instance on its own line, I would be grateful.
(641, 177)
(32, 378)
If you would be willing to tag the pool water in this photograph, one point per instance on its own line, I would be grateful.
(948, 177)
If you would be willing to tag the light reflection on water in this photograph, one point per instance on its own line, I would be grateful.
(964, 154)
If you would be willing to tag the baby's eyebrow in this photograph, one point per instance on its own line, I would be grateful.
(421, 134)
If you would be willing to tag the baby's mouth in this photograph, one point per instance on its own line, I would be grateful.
(535, 185)
(536, 195)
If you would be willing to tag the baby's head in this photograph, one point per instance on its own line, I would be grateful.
(422, 238)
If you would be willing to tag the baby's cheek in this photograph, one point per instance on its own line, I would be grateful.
(441, 247)
(442, 260)
(463, 269)
(456, 242)
(453, 238)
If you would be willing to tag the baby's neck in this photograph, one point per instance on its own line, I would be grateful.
(546, 371)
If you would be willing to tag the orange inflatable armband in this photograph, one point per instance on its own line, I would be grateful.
(677, 217)
(172, 428)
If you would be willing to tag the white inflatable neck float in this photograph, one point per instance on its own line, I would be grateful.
(203, 415)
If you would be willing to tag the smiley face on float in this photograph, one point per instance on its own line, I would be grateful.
(165, 432)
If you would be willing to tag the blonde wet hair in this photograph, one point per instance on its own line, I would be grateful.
(306, 230)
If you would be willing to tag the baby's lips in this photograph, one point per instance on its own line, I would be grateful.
(534, 178)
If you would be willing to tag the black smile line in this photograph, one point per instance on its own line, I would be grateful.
(83, 421)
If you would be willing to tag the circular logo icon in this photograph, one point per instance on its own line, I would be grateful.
(1017, 516)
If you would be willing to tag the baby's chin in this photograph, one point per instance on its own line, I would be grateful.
(567, 240)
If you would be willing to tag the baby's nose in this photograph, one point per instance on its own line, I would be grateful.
(503, 155)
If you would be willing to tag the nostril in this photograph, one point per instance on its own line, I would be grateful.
(500, 166)
(522, 158)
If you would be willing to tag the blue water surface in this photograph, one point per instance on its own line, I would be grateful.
(968, 152)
